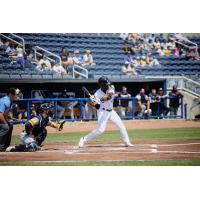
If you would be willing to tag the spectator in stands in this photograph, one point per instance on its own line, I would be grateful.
(171, 44)
(124, 36)
(161, 38)
(30, 57)
(174, 103)
(126, 48)
(153, 98)
(142, 50)
(142, 104)
(153, 61)
(20, 56)
(161, 51)
(150, 45)
(136, 62)
(15, 114)
(151, 37)
(133, 37)
(143, 61)
(11, 50)
(44, 64)
(66, 58)
(59, 69)
(77, 58)
(192, 54)
(127, 69)
(41, 67)
(168, 51)
(88, 58)
(163, 109)
(177, 51)
(124, 104)
(156, 43)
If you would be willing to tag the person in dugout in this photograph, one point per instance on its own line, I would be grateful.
(35, 130)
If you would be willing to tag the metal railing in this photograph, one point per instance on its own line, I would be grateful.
(182, 83)
(46, 51)
(15, 41)
(182, 40)
(81, 108)
(77, 70)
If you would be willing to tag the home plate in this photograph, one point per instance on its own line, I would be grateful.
(154, 145)
(73, 150)
(154, 150)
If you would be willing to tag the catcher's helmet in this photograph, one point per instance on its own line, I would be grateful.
(104, 82)
(47, 106)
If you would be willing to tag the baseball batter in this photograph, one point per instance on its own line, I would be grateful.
(103, 101)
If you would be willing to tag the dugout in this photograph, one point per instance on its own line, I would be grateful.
(133, 85)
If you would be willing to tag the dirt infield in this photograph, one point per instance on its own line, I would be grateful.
(145, 150)
(130, 125)
(112, 151)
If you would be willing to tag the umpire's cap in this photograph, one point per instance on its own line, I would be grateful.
(13, 91)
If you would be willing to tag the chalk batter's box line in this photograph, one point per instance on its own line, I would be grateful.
(121, 147)
(91, 147)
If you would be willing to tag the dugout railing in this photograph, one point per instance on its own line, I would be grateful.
(182, 114)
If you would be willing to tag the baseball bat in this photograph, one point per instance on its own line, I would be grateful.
(86, 91)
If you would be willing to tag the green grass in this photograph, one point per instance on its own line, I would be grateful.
(182, 162)
(151, 134)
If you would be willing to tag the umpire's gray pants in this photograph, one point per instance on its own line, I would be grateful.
(4, 129)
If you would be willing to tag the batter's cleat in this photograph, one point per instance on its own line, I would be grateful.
(128, 144)
(81, 142)
(11, 149)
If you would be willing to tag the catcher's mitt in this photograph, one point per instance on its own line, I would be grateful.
(61, 124)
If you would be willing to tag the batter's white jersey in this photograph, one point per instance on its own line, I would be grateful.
(105, 113)
(106, 104)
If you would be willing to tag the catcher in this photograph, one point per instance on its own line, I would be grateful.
(35, 130)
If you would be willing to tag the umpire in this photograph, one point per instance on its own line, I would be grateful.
(5, 127)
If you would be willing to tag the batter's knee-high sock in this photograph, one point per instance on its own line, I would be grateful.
(92, 135)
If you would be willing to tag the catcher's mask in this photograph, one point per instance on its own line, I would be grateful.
(47, 107)
(104, 83)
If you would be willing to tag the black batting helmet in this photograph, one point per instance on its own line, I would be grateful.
(104, 82)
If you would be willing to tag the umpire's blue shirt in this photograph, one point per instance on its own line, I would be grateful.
(5, 104)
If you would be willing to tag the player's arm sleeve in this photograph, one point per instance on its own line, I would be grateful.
(109, 94)
(97, 97)
(2, 107)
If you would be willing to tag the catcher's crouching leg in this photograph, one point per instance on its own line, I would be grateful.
(41, 137)
(32, 147)
(29, 143)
